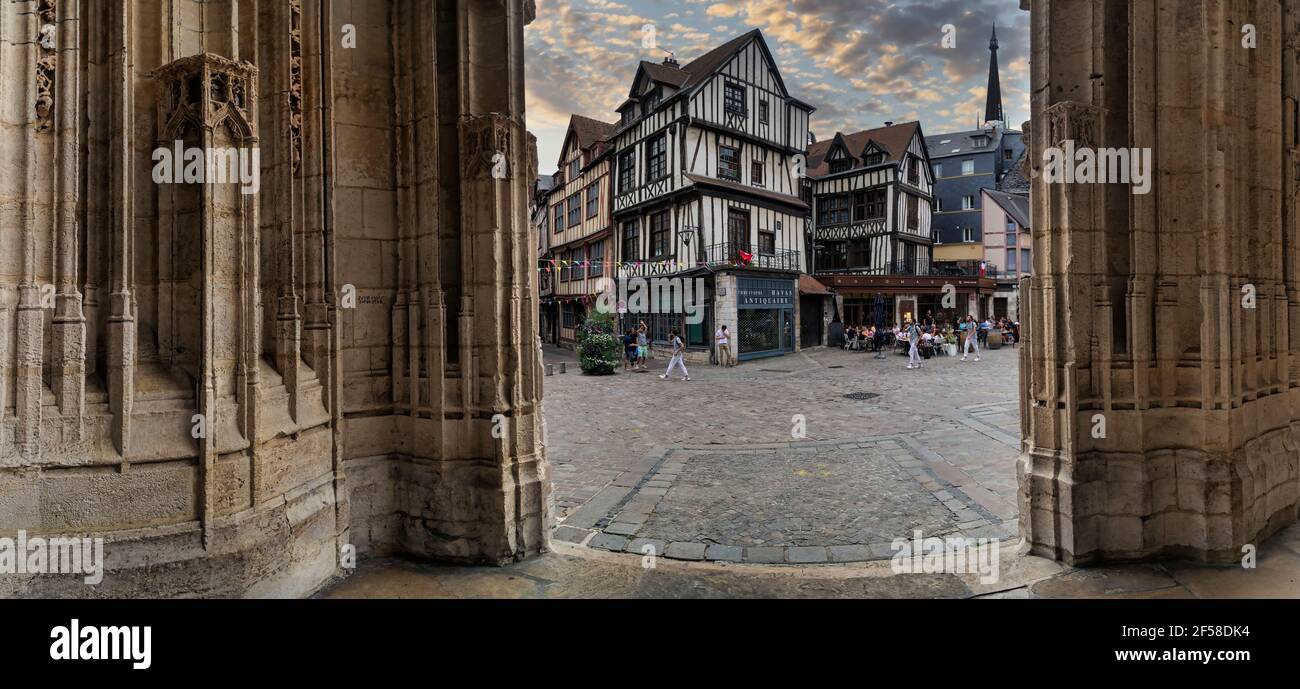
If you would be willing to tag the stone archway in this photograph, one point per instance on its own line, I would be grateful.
(388, 390)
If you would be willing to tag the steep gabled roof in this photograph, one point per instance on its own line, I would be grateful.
(587, 132)
(659, 73)
(839, 143)
(1016, 205)
(703, 67)
(696, 73)
(893, 140)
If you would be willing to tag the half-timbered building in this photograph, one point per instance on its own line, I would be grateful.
(579, 252)
(706, 163)
(539, 212)
(871, 195)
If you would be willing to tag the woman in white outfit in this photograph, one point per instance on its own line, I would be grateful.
(913, 341)
(678, 350)
(972, 338)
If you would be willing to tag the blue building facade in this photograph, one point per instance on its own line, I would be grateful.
(965, 163)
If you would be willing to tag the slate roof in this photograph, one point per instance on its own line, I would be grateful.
(1015, 181)
(963, 143)
(1016, 205)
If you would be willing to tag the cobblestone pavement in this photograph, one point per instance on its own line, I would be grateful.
(577, 572)
(770, 462)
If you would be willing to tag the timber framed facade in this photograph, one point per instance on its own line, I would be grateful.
(706, 185)
(872, 203)
(577, 227)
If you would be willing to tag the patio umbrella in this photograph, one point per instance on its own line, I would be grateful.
(880, 311)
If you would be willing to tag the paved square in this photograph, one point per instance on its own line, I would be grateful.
(783, 460)
(791, 498)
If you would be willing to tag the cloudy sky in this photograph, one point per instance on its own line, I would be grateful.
(859, 62)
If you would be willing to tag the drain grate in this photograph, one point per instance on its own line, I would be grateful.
(835, 366)
(774, 370)
(862, 396)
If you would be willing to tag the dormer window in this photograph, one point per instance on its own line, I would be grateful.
(842, 165)
(874, 158)
(651, 100)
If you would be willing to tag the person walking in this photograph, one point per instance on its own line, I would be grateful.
(677, 359)
(724, 347)
(913, 342)
(642, 345)
(972, 329)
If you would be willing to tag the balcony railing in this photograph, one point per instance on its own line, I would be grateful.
(965, 268)
(920, 267)
(747, 256)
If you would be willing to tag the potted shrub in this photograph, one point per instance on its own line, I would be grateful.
(950, 342)
(599, 350)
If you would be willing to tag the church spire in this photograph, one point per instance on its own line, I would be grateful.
(993, 106)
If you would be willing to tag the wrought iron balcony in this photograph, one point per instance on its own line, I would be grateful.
(748, 256)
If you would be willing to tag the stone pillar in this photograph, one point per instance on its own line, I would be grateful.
(1161, 400)
(122, 315)
(69, 323)
(473, 481)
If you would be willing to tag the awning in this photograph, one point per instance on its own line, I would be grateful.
(809, 285)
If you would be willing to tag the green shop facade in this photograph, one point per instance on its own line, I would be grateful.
(758, 308)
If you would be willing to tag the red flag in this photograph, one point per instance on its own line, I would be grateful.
(745, 257)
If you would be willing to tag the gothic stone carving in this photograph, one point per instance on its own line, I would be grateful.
(295, 82)
(1070, 120)
(47, 65)
(484, 137)
(229, 86)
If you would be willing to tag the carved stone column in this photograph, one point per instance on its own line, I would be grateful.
(1161, 406)
(474, 484)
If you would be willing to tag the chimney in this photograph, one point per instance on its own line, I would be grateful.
(889, 124)
(671, 61)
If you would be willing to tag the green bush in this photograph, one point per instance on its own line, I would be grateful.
(599, 349)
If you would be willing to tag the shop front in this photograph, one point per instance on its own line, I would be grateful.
(943, 299)
(765, 316)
